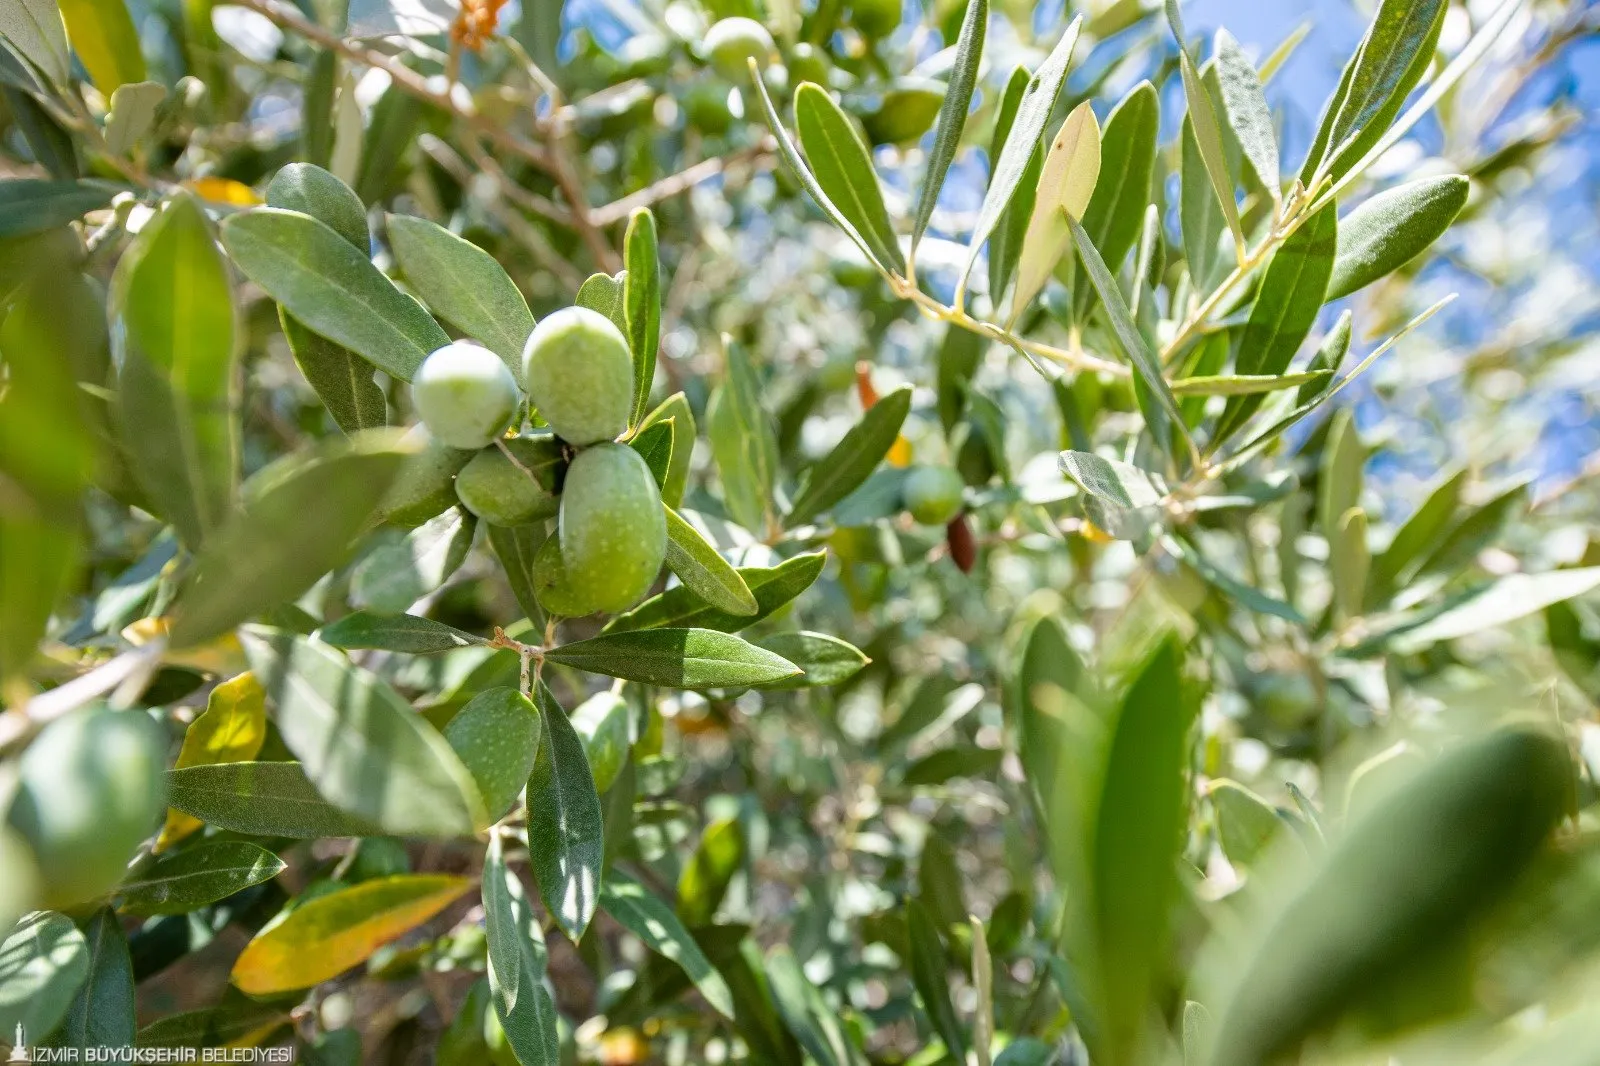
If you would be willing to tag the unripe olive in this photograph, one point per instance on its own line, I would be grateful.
(497, 736)
(425, 486)
(512, 489)
(579, 373)
(875, 18)
(706, 107)
(732, 41)
(553, 588)
(465, 395)
(20, 881)
(933, 494)
(807, 62)
(90, 789)
(613, 531)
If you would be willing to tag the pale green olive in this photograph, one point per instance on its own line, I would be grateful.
(465, 395)
(579, 373)
(933, 494)
(613, 530)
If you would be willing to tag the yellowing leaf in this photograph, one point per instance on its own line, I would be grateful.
(221, 656)
(103, 35)
(1065, 184)
(900, 452)
(231, 729)
(224, 191)
(328, 935)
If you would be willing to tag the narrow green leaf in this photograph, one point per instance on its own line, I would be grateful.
(805, 1013)
(103, 1012)
(929, 977)
(842, 163)
(313, 191)
(641, 301)
(742, 442)
(1502, 600)
(1330, 356)
(1067, 181)
(33, 205)
(197, 876)
(1207, 132)
(605, 723)
(35, 29)
(1245, 105)
(1339, 481)
(43, 963)
(653, 922)
(706, 876)
(1392, 228)
(516, 547)
(822, 659)
(952, 112)
(1138, 354)
(1293, 290)
(363, 746)
(106, 42)
(1005, 240)
(396, 632)
(342, 379)
(1111, 480)
(1116, 211)
(674, 410)
(1136, 846)
(1349, 562)
(517, 964)
(857, 455)
(177, 388)
(703, 571)
(331, 287)
(496, 736)
(654, 443)
(464, 285)
(566, 828)
(1247, 384)
(677, 658)
(270, 799)
(238, 1018)
(1199, 212)
(1391, 60)
(269, 554)
(405, 566)
(1420, 533)
(773, 587)
(1034, 106)
(1246, 595)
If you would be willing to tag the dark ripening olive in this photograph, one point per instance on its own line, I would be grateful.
(933, 494)
(90, 788)
(613, 530)
(579, 374)
(514, 485)
(465, 395)
(733, 41)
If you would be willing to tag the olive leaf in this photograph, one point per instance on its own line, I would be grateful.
(566, 829)
(1245, 105)
(853, 459)
(517, 963)
(334, 289)
(1116, 211)
(956, 100)
(270, 799)
(842, 165)
(1393, 227)
(653, 922)
(680, 658)
(1071, 169)
(464, 285)
(196, 876)
(641, 302)
(703, 571)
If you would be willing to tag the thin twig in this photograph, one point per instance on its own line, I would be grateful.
(684, 180)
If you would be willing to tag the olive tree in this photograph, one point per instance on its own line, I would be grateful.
(737, 532)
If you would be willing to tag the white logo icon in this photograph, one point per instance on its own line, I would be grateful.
(19, 1050)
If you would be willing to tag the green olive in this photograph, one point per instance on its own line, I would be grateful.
(497, 736)
(20, 882)
(465, 395)
(425, 486)
(514, 485)
(875, 18)
(553, 589)
(933, 494)
(807, 62)
(706, 107)
(613, 530)
(733, 41)
(91, 787)
(579, 373)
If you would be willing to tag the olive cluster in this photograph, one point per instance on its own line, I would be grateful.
(577, 372)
